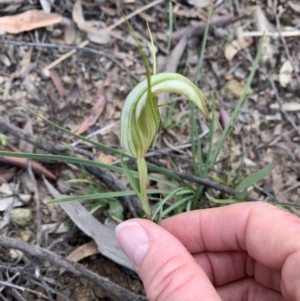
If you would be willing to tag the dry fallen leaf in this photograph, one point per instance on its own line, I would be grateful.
(232, 48)
(103, 236)
(106, 159)
(236, 88)
(100, 36)
(28, 20)
(285, 73)
(291, 106)
(55, 77)
(94, 115)
(82, 252)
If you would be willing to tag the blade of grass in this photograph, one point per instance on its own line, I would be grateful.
(239, 105)
(168, 112)
(209, 151)
(198, 148)
(104, 195)
(255, 177)
(163, 201)
(175, 205)
(170, 30)
(133, 182)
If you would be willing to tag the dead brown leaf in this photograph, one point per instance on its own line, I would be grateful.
(106, 159)
(82, 252)
(94, 115)
(28, 20)
(237, 88)
(232, 48)
(100, 36)
(55, 77)
(57, 82)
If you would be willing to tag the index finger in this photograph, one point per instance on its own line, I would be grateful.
(269, 235)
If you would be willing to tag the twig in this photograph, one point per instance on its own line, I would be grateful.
(286, 34)
(211, 184)
(136, 12)
(108, 178)
(75, 268)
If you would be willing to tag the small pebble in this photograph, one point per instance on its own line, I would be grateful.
(21, 217)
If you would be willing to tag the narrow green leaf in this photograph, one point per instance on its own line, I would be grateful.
(163, 201)
(239, 105)
(104, 195)
(255, 177)
(177, 204)
(133, 182)
(2, 139)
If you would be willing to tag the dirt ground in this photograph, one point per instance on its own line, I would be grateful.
(77, 66)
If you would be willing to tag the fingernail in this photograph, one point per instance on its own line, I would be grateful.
(134, 241)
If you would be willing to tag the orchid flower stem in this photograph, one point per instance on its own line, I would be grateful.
(142, 170)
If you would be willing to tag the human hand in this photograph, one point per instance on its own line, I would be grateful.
(246, 251)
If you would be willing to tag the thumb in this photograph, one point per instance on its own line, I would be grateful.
(167, 269)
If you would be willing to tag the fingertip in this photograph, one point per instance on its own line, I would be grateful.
(167, 269)
(134, 241)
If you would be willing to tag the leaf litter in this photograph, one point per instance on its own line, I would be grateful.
(69, 94)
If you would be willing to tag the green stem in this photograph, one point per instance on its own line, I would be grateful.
(142, 169)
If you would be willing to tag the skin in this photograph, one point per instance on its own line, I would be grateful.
(246, 251)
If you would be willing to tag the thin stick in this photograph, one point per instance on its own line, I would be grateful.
(211, 184)
(66, 55)
(286, 34)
